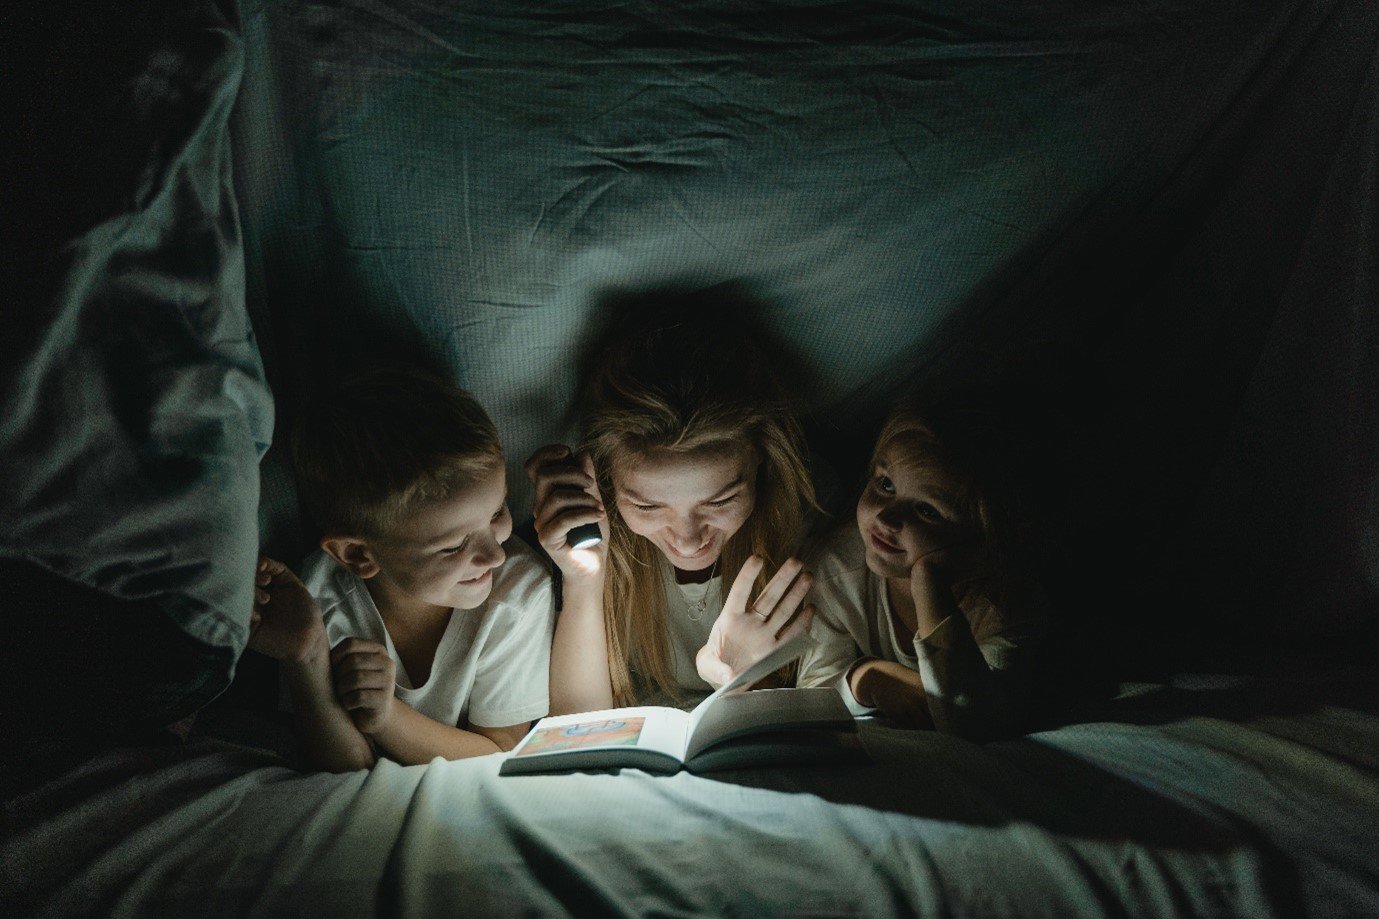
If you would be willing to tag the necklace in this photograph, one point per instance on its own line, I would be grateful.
(694, 609)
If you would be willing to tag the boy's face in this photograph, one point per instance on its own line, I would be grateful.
(688, 504)
(445, 551)
(906, 511)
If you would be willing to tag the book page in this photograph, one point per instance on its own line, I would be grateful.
(647, 727)
(764, 667)
(765, 710)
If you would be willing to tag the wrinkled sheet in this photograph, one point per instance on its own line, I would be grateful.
(1179, 815)
(1154, 219)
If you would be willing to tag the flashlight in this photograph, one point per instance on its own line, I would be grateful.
(584, 536)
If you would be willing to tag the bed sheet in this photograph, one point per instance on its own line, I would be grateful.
(1194, 816)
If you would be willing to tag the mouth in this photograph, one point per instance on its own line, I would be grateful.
(697, 553)
(882, 544)
(481, 579)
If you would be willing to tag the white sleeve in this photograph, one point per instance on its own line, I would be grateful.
(975, 690)
(834, 650)
(511, 683)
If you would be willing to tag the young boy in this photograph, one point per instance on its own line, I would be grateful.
(430, 629)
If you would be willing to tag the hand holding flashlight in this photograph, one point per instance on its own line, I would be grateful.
(570, 520)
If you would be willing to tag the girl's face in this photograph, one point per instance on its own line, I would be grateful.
(688, 504)
(907, 511)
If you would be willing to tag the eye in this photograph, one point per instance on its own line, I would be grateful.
(643, 507)
(501, 513)
(451, 550)
(884, 485)
(723, 502)
(928, 513)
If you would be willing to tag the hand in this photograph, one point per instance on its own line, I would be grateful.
(894, 689)
(285, 623)
(364, 677)
(742, 634)
(567, 495)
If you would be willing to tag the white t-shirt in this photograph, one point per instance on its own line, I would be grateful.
(974, 667)
(691, 610)
(492, 666)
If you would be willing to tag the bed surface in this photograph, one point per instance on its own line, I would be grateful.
(1186, 814)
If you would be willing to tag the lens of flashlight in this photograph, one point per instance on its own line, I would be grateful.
(584, 536)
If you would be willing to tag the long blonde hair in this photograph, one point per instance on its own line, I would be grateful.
(662, 392)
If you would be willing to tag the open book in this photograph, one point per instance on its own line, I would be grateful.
(730, 728)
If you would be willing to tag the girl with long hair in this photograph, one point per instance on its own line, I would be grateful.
(692, 466)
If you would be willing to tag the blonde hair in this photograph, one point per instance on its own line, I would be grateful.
(369, 448)
(659, 392)
(973, 448)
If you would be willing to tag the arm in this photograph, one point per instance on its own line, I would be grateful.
(364, 676)
(286, 625)
(968, 694)
(894, 689)
(567, 496)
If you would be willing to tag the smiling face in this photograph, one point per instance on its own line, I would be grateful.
(688, 504)
(906, 511)
(444, 552)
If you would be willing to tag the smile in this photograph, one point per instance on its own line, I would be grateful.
(881, 544)
(481, 579)
(697, 553)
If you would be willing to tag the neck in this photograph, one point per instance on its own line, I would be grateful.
(400, 610)
(903, 609)
(695, 577)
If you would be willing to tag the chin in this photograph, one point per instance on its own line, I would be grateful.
(885, 569)
(707, 560)
(470, 597)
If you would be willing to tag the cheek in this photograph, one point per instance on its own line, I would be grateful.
(641, 524)
(730, 519)
(867, 509)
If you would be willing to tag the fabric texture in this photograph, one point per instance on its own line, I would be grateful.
(1151, 223)
(492, 665)
(1180, 809)
(133, 406)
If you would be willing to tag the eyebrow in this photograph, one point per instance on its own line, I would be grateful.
(638, 499)
(946, 500)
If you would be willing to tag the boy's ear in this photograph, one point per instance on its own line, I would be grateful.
(351, 552)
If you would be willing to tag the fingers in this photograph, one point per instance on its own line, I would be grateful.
(742, 584)
(360, 647)
(784, 591)
(796, 625)
(563, 502)
(543, 456)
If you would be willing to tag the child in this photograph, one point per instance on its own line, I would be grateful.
(434, 631)
(923, 611)
(692, 468)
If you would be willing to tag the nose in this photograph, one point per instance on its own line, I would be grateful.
(891, 518)
(687, 535)
(491, 555)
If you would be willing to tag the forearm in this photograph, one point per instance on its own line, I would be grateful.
(411, 738)
(327, 735)
(579, 652)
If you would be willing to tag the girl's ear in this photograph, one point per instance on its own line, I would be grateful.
(351, 552)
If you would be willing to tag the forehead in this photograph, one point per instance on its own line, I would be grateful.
(462, 511)
(669, 476)
(916, 473)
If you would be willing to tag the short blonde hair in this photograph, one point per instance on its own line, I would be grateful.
(974, 447)
(665, 390)
(368, 448)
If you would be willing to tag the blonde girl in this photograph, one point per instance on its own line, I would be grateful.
(692, 466)
(926, 611)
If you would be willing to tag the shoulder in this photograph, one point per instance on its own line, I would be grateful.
(328, 581)
(523, 580)
(837, 555)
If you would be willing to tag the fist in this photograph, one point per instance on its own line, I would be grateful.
(567, 495)
(364, 677)
(285, 623)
